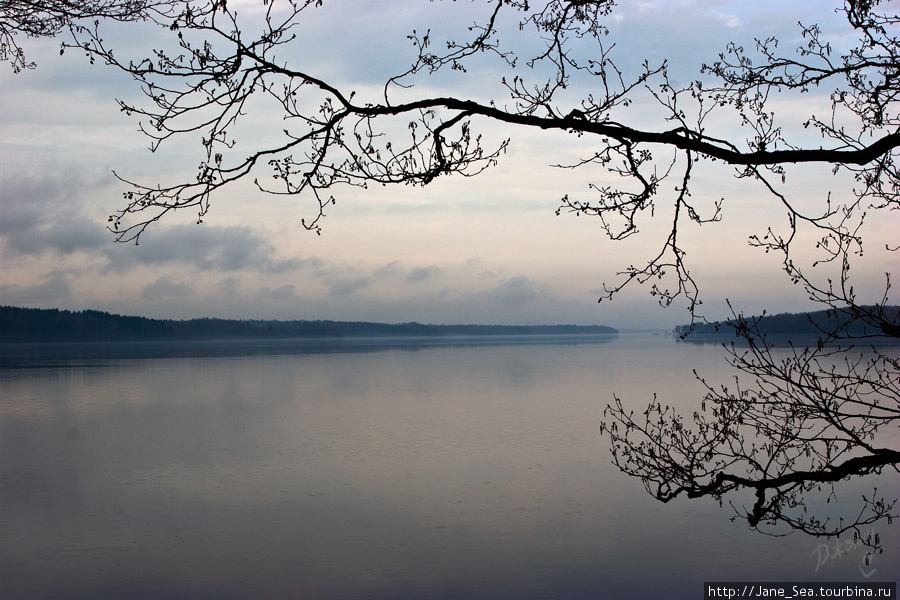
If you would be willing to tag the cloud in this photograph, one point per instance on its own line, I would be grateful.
(46, 215)
(729, 20)
(57, 235)
(347, 286)
(165, 288)
(53, 292)
(206, 247)
(388, 270)
(285, 292)
(228, 287)
(42, 214)
(515, 291)
(420, 274)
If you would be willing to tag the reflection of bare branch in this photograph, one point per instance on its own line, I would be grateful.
(815, 417)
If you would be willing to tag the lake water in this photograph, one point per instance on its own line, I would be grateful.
(373, 469)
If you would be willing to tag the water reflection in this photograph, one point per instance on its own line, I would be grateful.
(32, 356)
(461, 471)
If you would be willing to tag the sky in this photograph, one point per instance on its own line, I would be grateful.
(486, 249)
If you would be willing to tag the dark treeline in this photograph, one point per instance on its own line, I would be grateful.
(31, 325)
(793, 324)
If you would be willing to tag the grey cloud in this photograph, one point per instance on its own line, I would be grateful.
(419, 274)
(345, 287)
(515, 290)
(229, 286)
(414, 275)
(42, 214)
(414, 208)
(46, 214)
(52, 292)
(63, 236)
(165, 288)
(206, 247)
(388, 270)
(285, 292)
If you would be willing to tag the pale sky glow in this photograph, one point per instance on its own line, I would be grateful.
(487, 249)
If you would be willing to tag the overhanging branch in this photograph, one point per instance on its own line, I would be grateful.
(678, 138)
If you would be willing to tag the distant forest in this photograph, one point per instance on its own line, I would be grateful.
(795, 324)
(32, 325)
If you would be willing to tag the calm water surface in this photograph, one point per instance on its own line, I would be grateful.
(366, 470)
